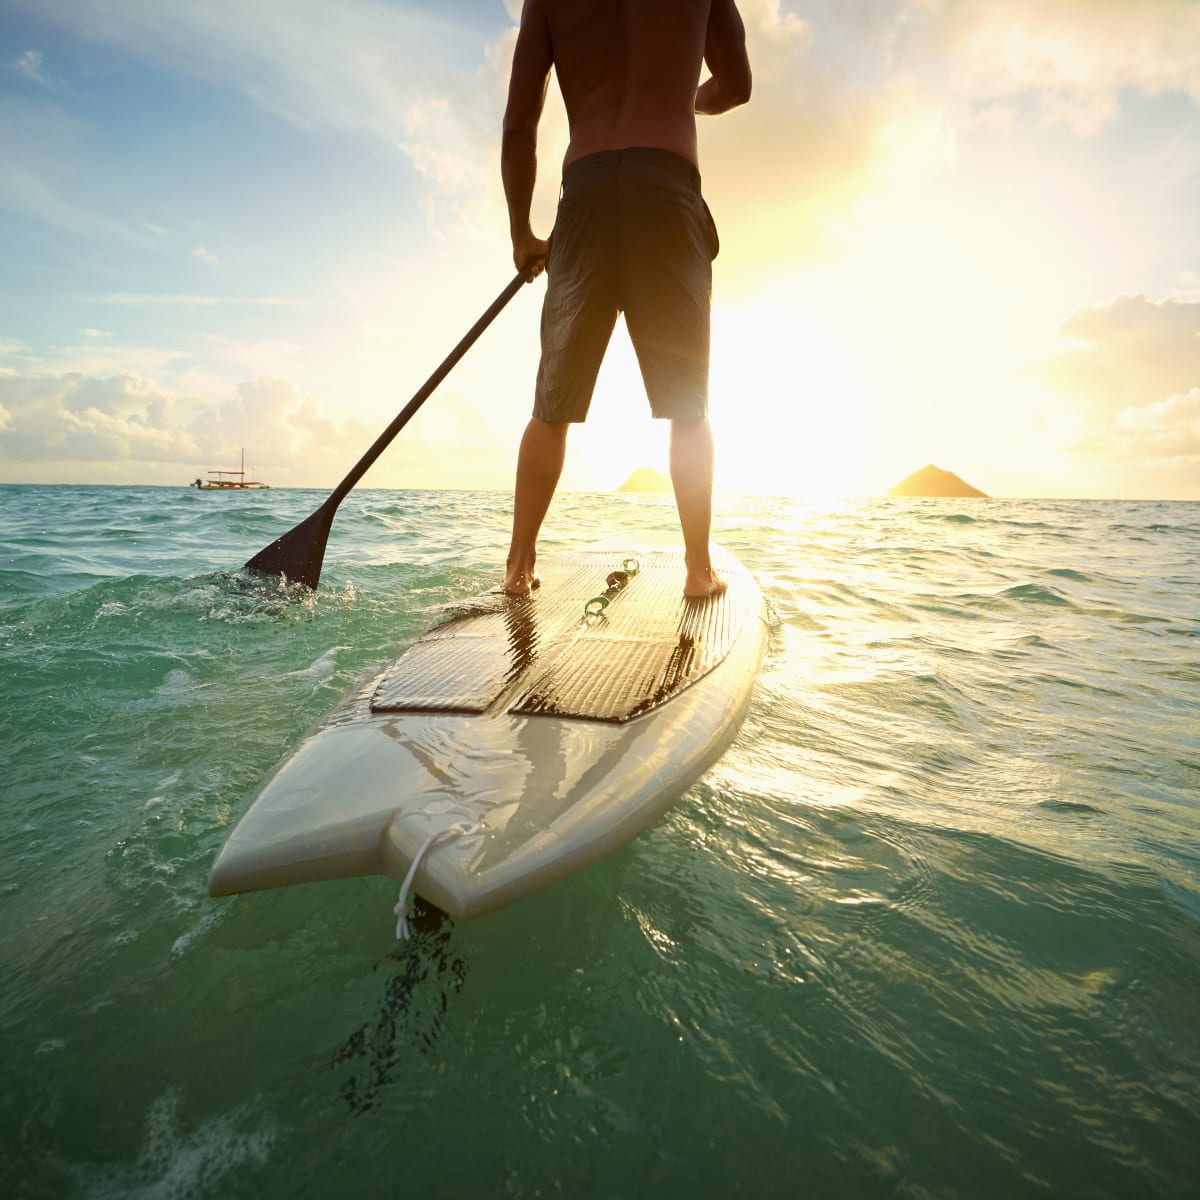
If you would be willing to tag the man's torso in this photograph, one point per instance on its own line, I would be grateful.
(628, 71)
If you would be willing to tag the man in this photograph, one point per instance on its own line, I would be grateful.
(632, 233)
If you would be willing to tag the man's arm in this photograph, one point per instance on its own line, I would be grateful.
(532, 60)
(725, 54)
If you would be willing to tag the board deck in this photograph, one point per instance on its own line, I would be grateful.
(542, 656)
(559, 733)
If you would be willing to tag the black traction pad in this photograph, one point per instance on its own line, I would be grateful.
(542, 655)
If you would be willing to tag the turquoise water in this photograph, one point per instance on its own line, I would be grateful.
(931, 928)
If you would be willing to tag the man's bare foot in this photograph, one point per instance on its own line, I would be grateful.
(520, 583)
(703, 583)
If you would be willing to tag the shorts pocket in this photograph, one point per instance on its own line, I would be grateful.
(566, 219)
(710, 229)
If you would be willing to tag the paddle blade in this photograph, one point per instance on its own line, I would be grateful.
(298, 554)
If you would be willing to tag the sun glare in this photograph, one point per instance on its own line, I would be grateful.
(787, 404)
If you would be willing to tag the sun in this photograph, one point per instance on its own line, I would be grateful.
(787, 404)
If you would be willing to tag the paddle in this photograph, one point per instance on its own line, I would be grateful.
(298, 554)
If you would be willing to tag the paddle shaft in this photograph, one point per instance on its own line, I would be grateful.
(426, 390)
(298, 554)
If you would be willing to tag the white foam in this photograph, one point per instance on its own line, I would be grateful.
(175, 1164)
(176, 685)
(183, 943)
(320, 671)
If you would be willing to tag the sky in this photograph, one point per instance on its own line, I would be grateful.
(952, 231)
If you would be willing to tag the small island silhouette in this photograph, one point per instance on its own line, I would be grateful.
(646, 480)
(933, 481)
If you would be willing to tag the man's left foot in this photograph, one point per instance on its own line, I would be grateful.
(703, 584)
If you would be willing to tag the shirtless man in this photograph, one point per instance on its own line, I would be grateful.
(632, 233)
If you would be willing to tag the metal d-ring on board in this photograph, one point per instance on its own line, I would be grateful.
(616, 582)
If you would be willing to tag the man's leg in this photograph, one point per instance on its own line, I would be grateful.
(692, 476)
(539, 464)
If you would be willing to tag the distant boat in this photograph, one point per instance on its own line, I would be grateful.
(229, 481)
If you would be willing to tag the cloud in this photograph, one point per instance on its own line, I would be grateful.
(430, 82)
(1167, 429)
(72, 427)
(1127, 354)
(851, 101)
(781, 171)
(858, 108)
(280, 424)
(1133, 379)
(102, 358)
(56, 418)
(1074, 56)
(184, 299)
(1148, 450)
(401, 74)
(30, 66)
(206, 256)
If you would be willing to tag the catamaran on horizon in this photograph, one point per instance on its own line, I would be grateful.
(227, 481)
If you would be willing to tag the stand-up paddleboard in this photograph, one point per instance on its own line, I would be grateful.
(518, 741)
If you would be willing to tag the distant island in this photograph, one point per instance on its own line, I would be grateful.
(646, 480)
(933, 481)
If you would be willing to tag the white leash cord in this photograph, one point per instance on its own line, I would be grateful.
(459, 830)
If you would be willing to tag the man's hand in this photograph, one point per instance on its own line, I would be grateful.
(725, 54)
(530, 252)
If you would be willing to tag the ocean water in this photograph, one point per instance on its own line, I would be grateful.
(931, 928)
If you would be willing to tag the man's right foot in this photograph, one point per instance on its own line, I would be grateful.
(703, 584)
(520, 583)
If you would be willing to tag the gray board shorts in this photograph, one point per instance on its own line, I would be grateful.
(633, 234)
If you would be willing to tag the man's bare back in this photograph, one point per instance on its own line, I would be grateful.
(629, 72)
